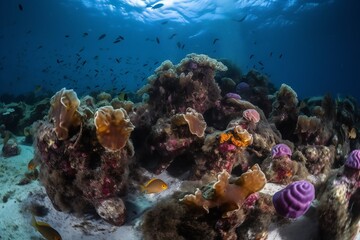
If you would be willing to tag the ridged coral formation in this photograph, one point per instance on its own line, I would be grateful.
(353, 160)
(251, 115)
(193, 119)
(64, 112)
(228, 195)
(113, 127)
(294, 200)
(237, 136)
(280, 150)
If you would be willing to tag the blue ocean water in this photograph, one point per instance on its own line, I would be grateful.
(313, 46)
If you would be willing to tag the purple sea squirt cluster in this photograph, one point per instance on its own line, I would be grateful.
(294, 200)
(353, 160)
(280, 150)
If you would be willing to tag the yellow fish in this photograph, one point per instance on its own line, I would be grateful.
(155, 185)
(45, 229)
(32, 165)
(352, 133)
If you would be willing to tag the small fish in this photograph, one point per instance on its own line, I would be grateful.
(172, 36)
(155, 185)
(117, 60)
(85, 34)
(178, 44)
(280, 56)
(37, 88)
(67, 36)
(32, 165)
(102, 36)
(259, 62)
(156, 6)
(215, 40)
(45, 229)
(164, 22)
(241, 19)
(123, 96)
(144, 65)
(352, 133)
(251, 56)
(157, 40)
(270, 54)
(20, 7)
(182, 47)
(117, 41)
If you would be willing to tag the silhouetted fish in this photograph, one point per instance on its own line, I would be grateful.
(102, 36)
(156, 6)
(280, 56)
(260, 63)
(182, 47)
(241, 19)
(157, 40)
(215, 40)
(67, 36)
(178, 44)
(21, 7)
(172, 36)
(164, 22)
(117, 41)
(120, 37)
(251, 56)
(85, 34)
(117, 60)
(270, 54)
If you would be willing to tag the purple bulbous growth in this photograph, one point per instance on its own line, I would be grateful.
(233, 95)
(242, 87)
(280, 150)
(353, 160)
(294, 200)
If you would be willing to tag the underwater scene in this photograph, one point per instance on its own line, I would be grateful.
(179, 119)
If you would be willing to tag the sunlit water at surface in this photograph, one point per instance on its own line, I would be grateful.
(310, 45)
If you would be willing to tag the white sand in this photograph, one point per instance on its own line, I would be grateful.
(14, 224)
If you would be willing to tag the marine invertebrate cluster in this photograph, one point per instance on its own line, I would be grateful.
(113, 127)
(229, 196)
(294, 200)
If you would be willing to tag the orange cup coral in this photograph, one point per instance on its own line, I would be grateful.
(64, 112)
(237, 136)
(113, 127)
(228, 196)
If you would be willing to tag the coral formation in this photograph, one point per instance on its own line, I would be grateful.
(339, 206)
(294, 200)
(64, 112)
(281, 150)
(113, 127)
(226, 195)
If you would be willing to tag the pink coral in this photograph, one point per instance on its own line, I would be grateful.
(251, 115)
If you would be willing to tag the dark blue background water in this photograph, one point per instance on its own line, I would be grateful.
(318, 40)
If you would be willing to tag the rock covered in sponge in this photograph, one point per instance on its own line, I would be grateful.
(113, 127)
(294, 200)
